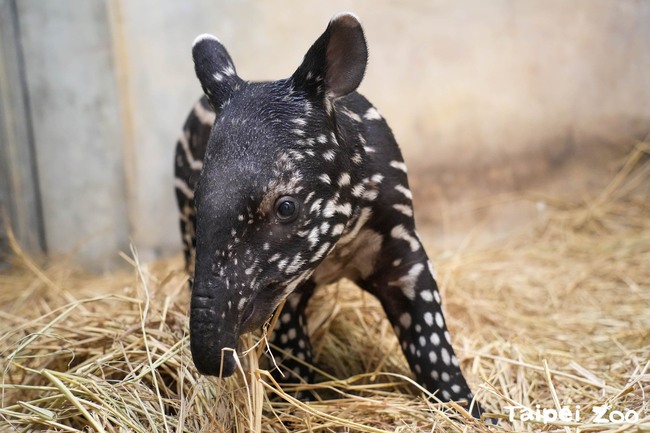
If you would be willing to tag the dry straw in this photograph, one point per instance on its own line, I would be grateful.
(558, 315)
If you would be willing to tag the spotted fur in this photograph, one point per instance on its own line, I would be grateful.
(315, 142)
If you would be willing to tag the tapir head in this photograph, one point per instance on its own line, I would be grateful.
(277, 187)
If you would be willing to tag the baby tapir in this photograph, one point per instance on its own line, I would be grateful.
(287, 185)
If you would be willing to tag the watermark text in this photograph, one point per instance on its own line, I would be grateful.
(600, 414)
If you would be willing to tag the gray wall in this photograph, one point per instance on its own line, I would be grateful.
(473, 89)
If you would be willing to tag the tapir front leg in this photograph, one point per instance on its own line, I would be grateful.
(291, 335)
(405, 285)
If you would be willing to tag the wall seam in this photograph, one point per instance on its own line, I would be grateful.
(29, 127)
(121, 69)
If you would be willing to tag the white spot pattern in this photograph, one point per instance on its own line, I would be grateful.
(439, 320)
(372, 114)
(445, 356)
(205, 116)
(405, 191)
(183, 187)
(194, 164)
(399, 232)
(398, 165)
(403, 208)
(407, 282)
(405, 320)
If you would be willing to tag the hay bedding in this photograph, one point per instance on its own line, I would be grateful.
(557, 315)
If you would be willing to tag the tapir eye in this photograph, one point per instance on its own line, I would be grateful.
(286, 209)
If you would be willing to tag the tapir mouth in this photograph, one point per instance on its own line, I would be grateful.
(215, 332)
(248, 323)
(259, 310)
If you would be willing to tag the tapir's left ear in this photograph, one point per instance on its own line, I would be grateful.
(214, 69)
(335, 64)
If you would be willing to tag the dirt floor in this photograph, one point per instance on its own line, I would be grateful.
(546, 289)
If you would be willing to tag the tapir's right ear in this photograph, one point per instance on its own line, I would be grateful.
(335, 64)
(215, 69)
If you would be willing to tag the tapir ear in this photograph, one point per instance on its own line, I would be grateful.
(214, 69)
(335, 64)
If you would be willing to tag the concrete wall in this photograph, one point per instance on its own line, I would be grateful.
(478, 93)
(76, 126)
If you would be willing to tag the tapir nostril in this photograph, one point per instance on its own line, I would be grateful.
(212, 347)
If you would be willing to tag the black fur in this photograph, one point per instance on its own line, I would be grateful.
(312, 141)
